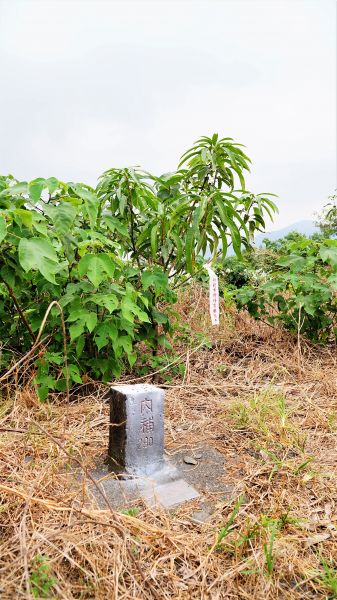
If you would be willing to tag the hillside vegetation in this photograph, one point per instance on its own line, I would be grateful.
(109, 285)
(268, 405)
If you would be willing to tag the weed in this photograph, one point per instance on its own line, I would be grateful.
(303, 465)
(41, 578)
(131, 512)
(224, 531)
(329, 577)
(268, 548)
(265, 413)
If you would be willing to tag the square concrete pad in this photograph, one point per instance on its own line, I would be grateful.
(169, 494)
(176, 482)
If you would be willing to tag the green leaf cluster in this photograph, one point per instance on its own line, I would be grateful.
(112, 256)
(301, 291)
(62, 246)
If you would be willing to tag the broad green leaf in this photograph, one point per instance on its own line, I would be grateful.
(115, 224)
(73, 373)
(76, 329)
(295, 262)
(56, 358)
(130, 308)
(332, 279)
(108, 264)
(91, 203)
(52, 183)
(23, 217)
(97, 267)
(158, 316)
(38, 254)
(156, 278)
(35, 188)
(141, 314)
(132, 357)
(113, 331)
(109, 301)
(102, 335)
(91, 321)
(42, 392)
(8, 275)
(17, 189)
(125, 342)
(39, 223)
(80, 345)
(329, 254)
(63, 217)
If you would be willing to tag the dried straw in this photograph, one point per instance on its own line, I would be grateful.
(247, 395)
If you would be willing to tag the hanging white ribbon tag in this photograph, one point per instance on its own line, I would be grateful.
(213, 296)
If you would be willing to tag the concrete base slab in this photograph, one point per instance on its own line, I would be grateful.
(174, 483)
(209, 472)
(164, 488)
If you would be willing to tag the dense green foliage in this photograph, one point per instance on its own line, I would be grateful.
(112, 256)
(61, 249)
(299, 290)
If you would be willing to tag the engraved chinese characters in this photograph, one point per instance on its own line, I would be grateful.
(136, 439)
(146, 423)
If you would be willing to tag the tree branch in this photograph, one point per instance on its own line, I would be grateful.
(21, 314)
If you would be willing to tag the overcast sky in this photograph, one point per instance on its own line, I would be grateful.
(87, 85)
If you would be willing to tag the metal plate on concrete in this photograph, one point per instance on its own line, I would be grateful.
(168, 495)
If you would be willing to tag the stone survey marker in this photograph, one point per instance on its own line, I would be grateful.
(136, 449)
(136, 436)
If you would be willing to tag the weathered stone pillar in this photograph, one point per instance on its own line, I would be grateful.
(136, 436)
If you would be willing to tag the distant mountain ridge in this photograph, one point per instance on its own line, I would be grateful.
(306, 227)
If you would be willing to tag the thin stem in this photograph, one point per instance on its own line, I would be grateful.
(132, 231)
(17, 306)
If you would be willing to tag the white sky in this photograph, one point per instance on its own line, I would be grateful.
(87, 85)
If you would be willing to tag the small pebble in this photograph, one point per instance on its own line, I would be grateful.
(189, 460)
(197, 455)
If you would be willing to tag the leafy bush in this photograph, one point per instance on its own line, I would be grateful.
(253, 267)
(301, 294)
(59, 248)
(112, 256)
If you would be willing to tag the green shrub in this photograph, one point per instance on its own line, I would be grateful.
(301, 293)
(112, 256)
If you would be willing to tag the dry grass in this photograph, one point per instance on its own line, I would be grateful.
(267, 405)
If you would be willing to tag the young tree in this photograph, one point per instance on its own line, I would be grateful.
(174, 218)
